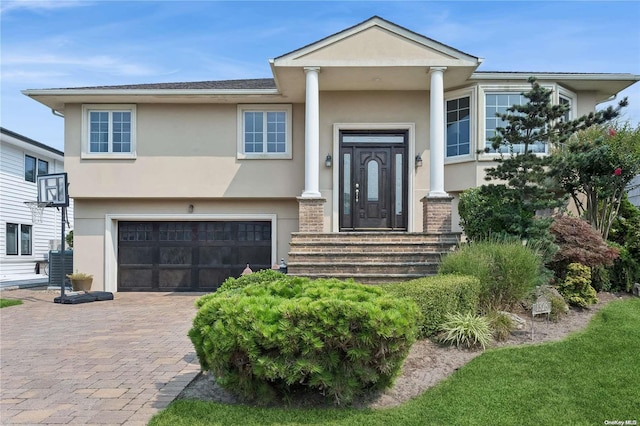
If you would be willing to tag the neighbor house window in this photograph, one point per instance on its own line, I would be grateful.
(458, 127)
(12, 239)
(109, 131)
(34, 167)
(25, 239)
(497, 103)
(264, 131)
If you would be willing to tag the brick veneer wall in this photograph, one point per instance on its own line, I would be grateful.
(436, 214)
(311, 214)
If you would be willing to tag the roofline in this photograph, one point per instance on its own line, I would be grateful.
(375, 20)
(30, 141)
(148, 92)
(507, 75)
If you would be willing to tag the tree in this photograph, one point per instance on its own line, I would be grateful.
(595, 167)
(522, 179)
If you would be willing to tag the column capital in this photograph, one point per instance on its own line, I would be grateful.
(307, 69)
(432, 69)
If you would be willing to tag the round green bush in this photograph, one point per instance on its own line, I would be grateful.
(337, 338)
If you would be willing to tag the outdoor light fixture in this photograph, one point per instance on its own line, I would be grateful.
(418, 161)
(328, 161)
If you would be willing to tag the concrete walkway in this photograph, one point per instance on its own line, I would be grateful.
(115, 362)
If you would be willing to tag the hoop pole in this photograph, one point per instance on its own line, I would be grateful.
(64, 211)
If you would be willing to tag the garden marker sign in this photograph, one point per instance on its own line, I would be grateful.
(542, 306)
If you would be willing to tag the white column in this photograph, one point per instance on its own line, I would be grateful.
(312, 135)
(436, 133)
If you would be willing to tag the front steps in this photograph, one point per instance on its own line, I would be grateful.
(368, 257)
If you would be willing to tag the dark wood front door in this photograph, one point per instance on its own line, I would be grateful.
(373, 181)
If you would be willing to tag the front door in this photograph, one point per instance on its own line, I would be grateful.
(373, 180)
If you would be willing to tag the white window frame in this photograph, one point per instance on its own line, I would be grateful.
(482, 111)
(36, 168)
(470, 92)
(18, 239)
(287, 109)
(86, 110)
(561, 92)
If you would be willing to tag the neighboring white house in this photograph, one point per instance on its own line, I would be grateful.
(23, 243)
(634, 192)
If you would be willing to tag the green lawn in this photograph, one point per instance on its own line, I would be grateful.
(588, 378)
(9, 302)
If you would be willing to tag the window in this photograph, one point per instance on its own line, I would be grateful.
(24, 237)
(29, 168)
(458, 127)
(567, 102)
(30, 171)
(12, 239)
(264, 131)
(497, 103)
(109, 131)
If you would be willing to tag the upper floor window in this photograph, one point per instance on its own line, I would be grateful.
(458, 127)
(264, 131)
(34, 167)
(497, 103)
(109, 131)
(567, 102)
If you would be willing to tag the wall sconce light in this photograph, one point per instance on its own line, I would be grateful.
(328, 161)
(418, 161)
(190, 209)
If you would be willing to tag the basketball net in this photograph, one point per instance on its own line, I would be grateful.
(37, 209)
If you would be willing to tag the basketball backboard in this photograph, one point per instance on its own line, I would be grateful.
(52, 190)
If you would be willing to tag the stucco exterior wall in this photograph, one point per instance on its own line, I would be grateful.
(183, 151)
(95, 253)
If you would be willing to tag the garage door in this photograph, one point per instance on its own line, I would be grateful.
(189, 256)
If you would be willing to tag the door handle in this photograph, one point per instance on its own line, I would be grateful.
(357, 192)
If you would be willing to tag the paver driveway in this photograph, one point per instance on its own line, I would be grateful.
(112, 362)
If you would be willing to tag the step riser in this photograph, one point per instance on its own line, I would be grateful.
(425, 269)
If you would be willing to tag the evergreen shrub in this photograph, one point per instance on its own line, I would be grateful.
(438, 296)
(576, 287)
(328, 336)
(507, 271)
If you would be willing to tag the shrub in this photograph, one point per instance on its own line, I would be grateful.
(337, 338)
(467, 330)
(501, 325)
(507, 271)
(438, 296)
(578, 242)
(625, 270)
(576, 287)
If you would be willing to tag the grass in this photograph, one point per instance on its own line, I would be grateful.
(9, 302)
(590, 377)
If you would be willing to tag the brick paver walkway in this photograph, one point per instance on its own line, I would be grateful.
(114, 362)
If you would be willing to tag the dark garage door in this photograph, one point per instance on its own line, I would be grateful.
(189, 256)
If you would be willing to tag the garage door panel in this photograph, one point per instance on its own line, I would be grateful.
(136, 255)
(182, 256)
(176, 255)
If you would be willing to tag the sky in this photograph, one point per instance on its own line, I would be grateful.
(79, 43)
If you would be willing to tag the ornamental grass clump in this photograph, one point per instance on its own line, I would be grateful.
(466, 330)
(336, 338)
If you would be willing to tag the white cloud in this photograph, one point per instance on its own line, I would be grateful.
(41, 5)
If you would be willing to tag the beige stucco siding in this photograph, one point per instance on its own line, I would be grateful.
(186, 151)
(95, 253)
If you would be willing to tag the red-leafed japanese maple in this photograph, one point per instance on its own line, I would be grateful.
(578, 242)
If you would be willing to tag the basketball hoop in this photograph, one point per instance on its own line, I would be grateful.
(37, 208)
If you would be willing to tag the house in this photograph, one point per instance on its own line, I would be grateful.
(634, 191)
(25, 244)
(348, 162)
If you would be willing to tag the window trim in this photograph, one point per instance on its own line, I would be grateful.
(561, 92)
(287, 154)
(16, 239)
(85, 151)
(482, 114)
(470, 92)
